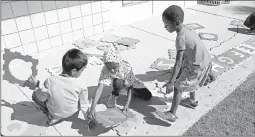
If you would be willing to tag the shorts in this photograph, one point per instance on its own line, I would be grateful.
(189, 80)
(42, 105)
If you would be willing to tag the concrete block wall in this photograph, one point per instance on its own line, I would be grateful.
(34, 26)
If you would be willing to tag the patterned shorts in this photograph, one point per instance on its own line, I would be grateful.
(189, 80)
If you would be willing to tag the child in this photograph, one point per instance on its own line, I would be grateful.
(193, 62)
(59, 96)
(118, 73)
(250, 22)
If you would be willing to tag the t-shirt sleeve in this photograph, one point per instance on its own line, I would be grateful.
(180, 43)
(42, 93)
(105, 77)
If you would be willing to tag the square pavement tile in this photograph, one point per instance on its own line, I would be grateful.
(8, 91)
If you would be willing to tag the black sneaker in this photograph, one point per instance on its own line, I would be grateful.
(166, 116)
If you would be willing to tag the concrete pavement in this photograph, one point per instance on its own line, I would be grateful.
(154, 43)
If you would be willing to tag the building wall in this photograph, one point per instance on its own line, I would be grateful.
(130, 14)
(34, 26)
(160, 6)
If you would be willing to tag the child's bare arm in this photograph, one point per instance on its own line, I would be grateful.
(180, 47)
(84, 104)
(177, 65)
(96, 98)
(129, 96)
(129, 81)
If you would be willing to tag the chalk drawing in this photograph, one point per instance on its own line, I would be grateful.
(194, 26)
(163, 64)
(208, 36)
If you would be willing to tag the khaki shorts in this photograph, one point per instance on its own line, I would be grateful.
(189, 80)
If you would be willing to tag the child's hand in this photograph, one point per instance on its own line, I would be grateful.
(32, 82)
(169, 87)
(172, 54)
(92, 115)
(125, 108)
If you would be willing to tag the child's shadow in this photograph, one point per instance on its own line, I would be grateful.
(26, 111)
(145, 109)
(160, 76)
(82, 126)
(242, 31)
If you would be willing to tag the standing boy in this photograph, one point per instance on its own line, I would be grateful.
(193, 62)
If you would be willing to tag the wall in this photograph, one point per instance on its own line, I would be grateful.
(160, 6)
(130, 14)
(188, 3)
(34, 26)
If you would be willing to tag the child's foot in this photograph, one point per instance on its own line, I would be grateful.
(54, 121)
(190, 103)
(166, 116)
(112, 101)
(251, 31)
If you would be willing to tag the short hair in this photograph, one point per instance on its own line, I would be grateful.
(174, 13)
(74, 59)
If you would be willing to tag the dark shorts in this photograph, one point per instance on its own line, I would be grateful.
(118, 85)
(41, 105)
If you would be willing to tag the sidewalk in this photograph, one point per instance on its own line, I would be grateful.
(154, 43)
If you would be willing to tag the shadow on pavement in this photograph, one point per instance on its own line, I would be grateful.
(81, 126)
(160, 76)
(241, 9)
(241, 31)
(145, 109)
(26, 111)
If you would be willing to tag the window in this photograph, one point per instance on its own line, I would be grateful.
(113, 1)
(126, 3)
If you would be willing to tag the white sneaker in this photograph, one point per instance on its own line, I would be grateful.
(111, 103)
(52, 120)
